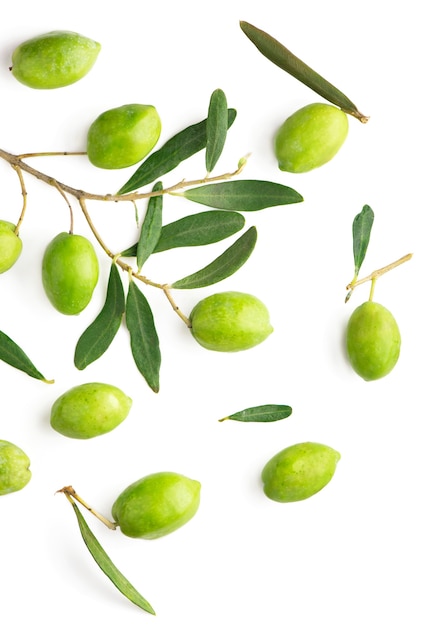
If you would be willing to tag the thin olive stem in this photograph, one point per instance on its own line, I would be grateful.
(372, 288)
(24, 198)
(16, 161)
(376, 274)
(71, 228)
(29, 155)
(71, 495)
(176, 309)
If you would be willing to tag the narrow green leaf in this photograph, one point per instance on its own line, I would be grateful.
(262, 413)
(242, 195)
(217, 126)
(13, 355)
(144, 339)
(100, 333)
(223, 266)
(151, 227)
(361, 230)
(286, 60)
(200, 229)
(107, 566)
(177, 149)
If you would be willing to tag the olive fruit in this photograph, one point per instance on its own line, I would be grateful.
(14, 468)
(10, 245)
(310, 137)
(373, 341)
(70, 272)
(230, 321)
(123, 136)
(89, 410)
(156, 505)
(55, 59)
(299, 471)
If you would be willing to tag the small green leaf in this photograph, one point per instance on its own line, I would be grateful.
(100, 333)
(199, 229)
(361, 230)
(217, 126)
(107, 566)
(179, 148)
(13, 355)
(262, 413)
(286, 60)
(151, 227)
(242, 195)
(144, 338)
(223, 266)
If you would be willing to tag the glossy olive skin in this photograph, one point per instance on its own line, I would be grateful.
(70, 272)
(89, 410)
(55, 59)
(123, 136)
(14, 468)
(156, 505)
(310, 137)
(373, 341)
(10, 246)
(299, 471)
(230, 321)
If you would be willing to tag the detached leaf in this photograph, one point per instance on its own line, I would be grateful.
(179, 148)
(262, 413)
(223, 266)
(107, 566)
(144, 338)
(151, 227)
(217, 126)
(13, 355)
(98, 336)
(286, 60)
(361, 230)
(242, 195)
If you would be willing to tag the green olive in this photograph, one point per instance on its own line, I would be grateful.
(230, 321)
(156, 505)
(310, 137)
(299, 471)
(70, 272)
(89, 410)
(123, 136)
(14, 468)
(373, 341)
(10, 245)
(54, 59)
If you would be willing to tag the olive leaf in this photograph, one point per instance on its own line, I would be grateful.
(177, 149)
(107, 566)
(286, 60)
(199, 229)
(217, 126)
(242, 195)
(144, 339)
(262, 413)
(223, 266)
(361, 230)
(98, 336)
(151, 227)
(13, 355)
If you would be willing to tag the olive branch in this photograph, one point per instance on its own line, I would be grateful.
(227, 198)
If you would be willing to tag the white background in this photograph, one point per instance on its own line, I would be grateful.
(357, 551)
